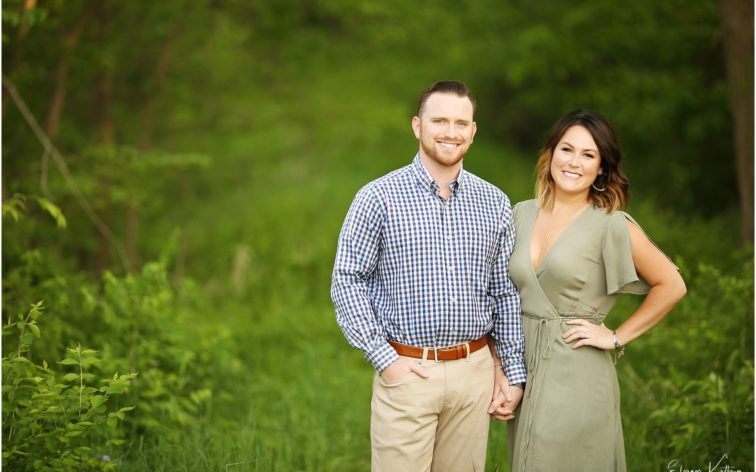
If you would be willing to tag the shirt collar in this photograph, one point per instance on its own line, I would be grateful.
(426, 181)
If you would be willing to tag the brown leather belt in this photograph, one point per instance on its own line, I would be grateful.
(447, 354)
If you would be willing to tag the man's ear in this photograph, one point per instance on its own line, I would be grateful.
(474, 129)
(416, 126)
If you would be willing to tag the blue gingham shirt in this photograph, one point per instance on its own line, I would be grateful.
(416, 269)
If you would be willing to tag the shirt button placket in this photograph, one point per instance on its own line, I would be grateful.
(449, 254)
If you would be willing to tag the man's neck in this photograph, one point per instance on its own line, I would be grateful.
(443, 175)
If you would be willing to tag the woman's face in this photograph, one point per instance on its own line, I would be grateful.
(575, 162)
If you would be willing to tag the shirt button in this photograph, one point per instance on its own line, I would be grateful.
(454, 299)
(448, 237)
(451, 268)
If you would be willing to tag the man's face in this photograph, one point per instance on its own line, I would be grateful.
(445, 128)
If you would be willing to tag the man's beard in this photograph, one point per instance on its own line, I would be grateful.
(434, 155)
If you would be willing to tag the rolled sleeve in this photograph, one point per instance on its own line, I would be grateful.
(382, 356)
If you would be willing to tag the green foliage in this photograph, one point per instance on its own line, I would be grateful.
(706, 418)
(181, 368)
(55, 420)
(15, 207)
(15, 15)
(691, 380)
(178, 370)
(53, 210)
(225, 140)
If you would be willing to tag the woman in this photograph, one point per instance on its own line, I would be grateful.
(575, 251)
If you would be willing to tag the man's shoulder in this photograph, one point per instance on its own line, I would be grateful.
(380, 185)
(486, 188)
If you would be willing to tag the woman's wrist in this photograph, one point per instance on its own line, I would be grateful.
(619, 348)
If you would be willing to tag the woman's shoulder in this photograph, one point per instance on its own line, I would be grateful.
(615, 217)
(620, 218)
(523, 208)
(525, 205)
(614, 224)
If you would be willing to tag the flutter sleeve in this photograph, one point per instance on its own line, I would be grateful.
(617, 255)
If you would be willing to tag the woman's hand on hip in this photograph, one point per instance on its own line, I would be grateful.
(585, 333)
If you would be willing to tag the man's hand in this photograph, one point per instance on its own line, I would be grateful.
(505, 398)
(400, 368)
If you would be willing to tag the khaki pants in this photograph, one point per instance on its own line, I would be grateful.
(437, 424)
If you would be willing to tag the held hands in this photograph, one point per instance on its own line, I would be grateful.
(400, 368)
(589, 334)
(505, 398)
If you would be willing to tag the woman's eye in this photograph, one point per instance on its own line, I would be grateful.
(566, 149)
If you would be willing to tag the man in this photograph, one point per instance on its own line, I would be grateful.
(420, 280)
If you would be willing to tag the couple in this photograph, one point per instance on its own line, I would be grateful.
(453, 295)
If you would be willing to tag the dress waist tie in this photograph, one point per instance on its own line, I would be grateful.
(543, 342)
(543, 350)
(540, 345)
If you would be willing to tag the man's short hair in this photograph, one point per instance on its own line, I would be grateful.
(445, 86)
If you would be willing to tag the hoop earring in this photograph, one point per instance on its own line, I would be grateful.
(596, 188)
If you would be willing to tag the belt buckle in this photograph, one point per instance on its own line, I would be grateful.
(435, 355)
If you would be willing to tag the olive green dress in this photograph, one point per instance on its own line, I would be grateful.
(569, 418)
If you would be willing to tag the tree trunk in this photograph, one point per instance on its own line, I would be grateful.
(70, 40)
(147, 128)
(737, 26)
(60, 77)
(165, 56)
(23, 31)
(15, 54)
(106, 128)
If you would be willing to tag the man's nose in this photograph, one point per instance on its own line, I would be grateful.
(451, 131)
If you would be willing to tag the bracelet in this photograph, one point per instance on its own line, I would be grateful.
(619, 349)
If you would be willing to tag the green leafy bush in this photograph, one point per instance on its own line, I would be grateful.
(54, 420)
(691, 380)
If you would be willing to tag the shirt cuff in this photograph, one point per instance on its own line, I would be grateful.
(514, 367)
(382, 356)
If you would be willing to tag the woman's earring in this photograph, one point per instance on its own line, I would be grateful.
(596, 188)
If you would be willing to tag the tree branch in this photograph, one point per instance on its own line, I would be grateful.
(63, 167)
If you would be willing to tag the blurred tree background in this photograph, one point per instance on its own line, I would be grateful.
(174, 191)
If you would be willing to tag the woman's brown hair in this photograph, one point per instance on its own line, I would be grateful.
(610, 190)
